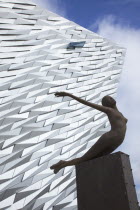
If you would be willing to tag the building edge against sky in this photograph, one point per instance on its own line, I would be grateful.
(38, 129)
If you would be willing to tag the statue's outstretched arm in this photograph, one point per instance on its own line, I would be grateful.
(95, 106)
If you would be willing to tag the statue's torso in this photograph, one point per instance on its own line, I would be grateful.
(118, 124)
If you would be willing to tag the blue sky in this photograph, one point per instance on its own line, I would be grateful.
(118, 21)
(87, 12)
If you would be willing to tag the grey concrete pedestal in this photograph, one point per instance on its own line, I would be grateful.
(106, 183)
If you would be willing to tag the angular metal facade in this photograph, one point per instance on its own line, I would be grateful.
(38, 129)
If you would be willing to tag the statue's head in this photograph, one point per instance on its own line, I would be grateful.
(108, 101)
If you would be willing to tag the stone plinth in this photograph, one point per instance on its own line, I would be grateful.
(106, 183)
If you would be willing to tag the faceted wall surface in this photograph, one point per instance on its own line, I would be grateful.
(38, 129)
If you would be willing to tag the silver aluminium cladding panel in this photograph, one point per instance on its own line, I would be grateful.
(38, 129)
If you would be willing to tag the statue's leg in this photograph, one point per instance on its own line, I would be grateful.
(101, 147)
(62, 164)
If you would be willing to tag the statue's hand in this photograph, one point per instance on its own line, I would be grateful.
(61, 94)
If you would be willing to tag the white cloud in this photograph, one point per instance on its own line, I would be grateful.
(55, 6)
(128, 91)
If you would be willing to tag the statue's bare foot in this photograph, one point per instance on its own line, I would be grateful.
(58, 166)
